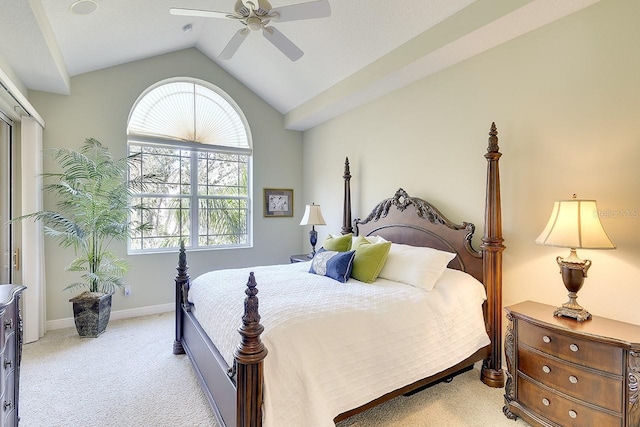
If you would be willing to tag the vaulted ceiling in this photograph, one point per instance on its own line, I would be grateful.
(364, 49)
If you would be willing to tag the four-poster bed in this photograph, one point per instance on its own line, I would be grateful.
(233, 380)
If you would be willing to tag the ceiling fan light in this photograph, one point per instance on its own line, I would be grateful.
(254, 24)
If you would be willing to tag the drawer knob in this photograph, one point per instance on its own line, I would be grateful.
(8, 324)
(546, 339)
(8, 363)
(573, 414)
(574, 347)
(7, 405)
(573, 380)
(546, 369)
(545, 401)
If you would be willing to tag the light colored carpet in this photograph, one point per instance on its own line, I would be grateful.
(129, 377)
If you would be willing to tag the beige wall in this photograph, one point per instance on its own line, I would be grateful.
(99, 106)
(566, 100)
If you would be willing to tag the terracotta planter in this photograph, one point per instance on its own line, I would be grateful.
(91, 312)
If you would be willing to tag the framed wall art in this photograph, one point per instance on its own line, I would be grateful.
(278, 202)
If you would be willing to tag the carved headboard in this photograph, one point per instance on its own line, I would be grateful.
(413, 221)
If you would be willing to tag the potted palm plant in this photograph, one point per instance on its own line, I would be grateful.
(93, 209)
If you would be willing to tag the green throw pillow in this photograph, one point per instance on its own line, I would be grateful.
(369, 260)
(337, 243)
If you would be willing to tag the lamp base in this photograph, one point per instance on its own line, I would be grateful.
(573, 270)
(580, 314)
(313, 239)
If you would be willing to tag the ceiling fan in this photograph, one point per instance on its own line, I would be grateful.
(256, 15)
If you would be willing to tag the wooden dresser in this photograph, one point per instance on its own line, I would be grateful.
(10, 352)
(561, 372)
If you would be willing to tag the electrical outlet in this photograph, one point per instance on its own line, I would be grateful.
(127, 291)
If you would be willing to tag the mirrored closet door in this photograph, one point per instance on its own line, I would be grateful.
(5, 199)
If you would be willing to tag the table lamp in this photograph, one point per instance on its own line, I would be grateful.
(312, 216)
(574, 224)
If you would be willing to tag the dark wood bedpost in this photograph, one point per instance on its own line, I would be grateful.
(182, 286)
(492, 248)
(347, 225)
(249, 357)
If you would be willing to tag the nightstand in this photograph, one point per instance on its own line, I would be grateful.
(299, 258)
(569, 373)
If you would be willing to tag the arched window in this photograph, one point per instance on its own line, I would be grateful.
(193, 142)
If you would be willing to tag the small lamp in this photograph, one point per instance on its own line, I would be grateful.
(574, 224)
(312, 216)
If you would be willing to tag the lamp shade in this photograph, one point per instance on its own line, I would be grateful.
(312, 216)
(575, 224)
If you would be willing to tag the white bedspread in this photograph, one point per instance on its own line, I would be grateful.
(335, 346)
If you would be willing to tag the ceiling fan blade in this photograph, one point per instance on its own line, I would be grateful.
(235, 42)
(296, 12)
(200, 13)
(280, 41)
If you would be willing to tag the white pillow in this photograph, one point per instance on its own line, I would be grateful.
(415, 266)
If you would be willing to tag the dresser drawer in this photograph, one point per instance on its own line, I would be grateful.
(8, 403)
(9, 354)
(3, 332)
(7, 325)
(4, 378)
(572, 380)
(573, 349)
(561, 410)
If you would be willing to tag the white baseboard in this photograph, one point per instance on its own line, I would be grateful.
(115, 315)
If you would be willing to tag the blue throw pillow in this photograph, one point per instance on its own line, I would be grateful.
(337, 265)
